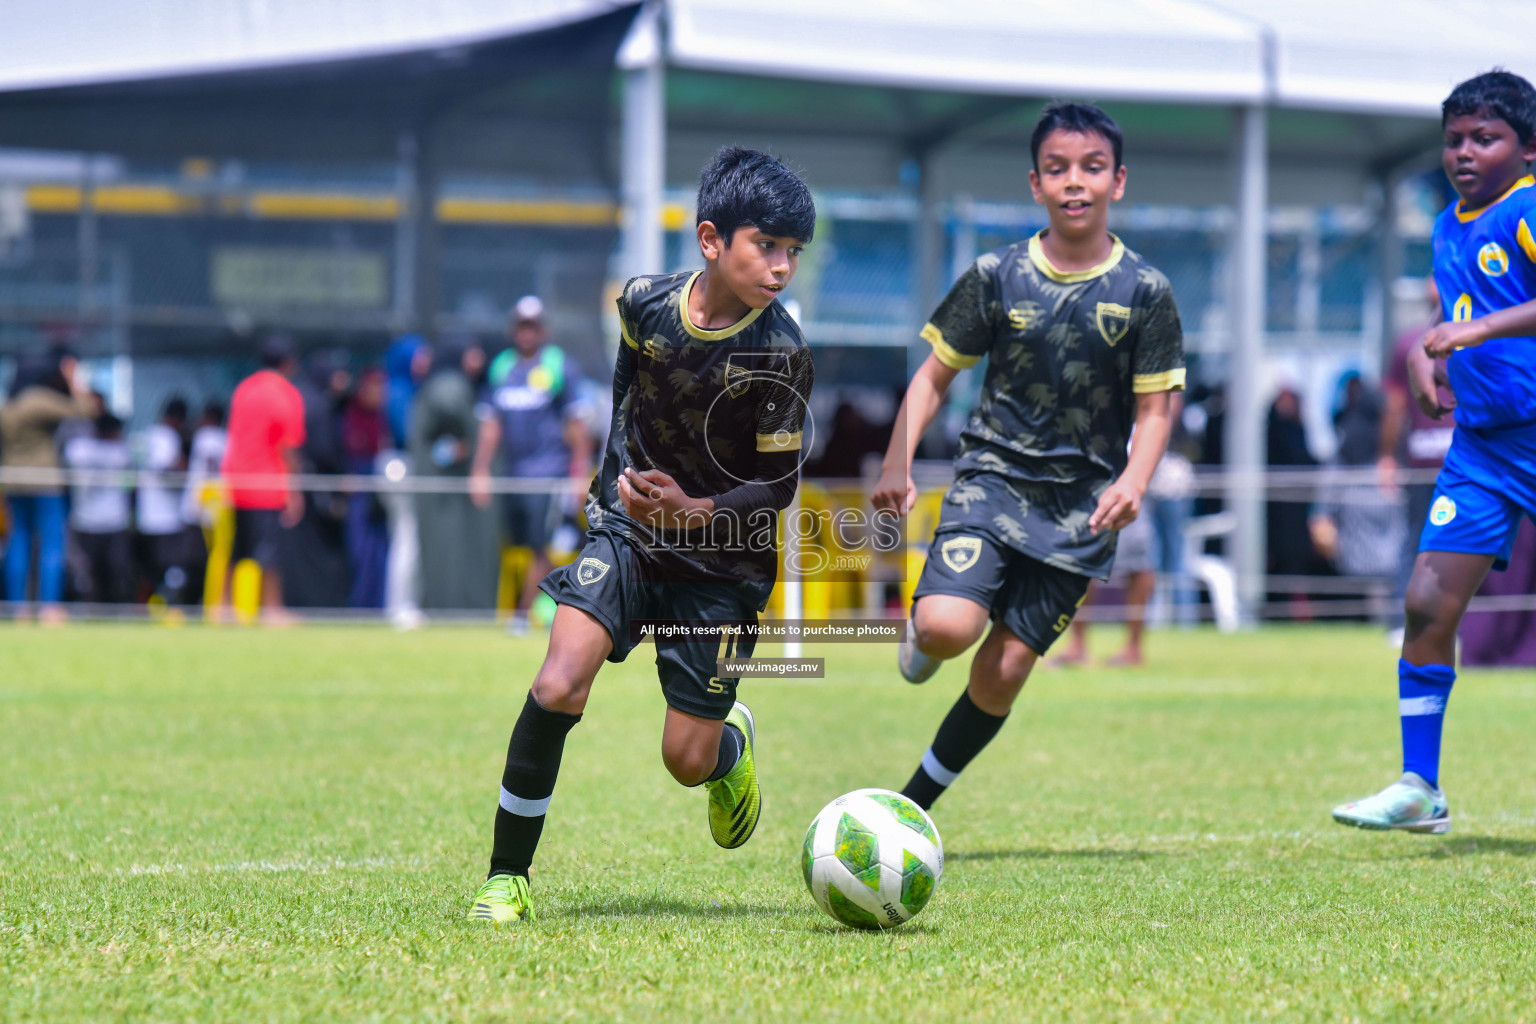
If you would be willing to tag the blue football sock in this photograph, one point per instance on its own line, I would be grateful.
(1422, 691)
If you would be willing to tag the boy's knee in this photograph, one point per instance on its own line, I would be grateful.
(562, 687)
(1425, 606)
(687, 764)
(939, 638)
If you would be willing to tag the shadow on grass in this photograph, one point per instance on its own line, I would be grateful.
(1463, 846)
(666, 906)
(1047, 853)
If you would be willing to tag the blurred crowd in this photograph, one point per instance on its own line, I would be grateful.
(164, 515)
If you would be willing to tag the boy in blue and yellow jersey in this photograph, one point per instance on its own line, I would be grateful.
(1484, 350)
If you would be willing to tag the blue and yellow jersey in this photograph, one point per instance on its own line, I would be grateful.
(1486, 261)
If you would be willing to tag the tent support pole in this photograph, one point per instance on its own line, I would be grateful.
(1245, 409)
(405, 232)
(425, 235)
(643, 147)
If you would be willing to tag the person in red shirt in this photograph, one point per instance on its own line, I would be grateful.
(266, 428)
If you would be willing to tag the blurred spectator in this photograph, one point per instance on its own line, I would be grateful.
(266, 427)
(1290, 551)
(45, 392)
(202, 499)
(203, 461)
(161, 533)
(363, 430)
(459, 566)
(1133, 573)
(405, 364)
(534, 419)
(1169, 504)
(852, 441)
(1359, 527)
(313, 552)
(98, 515)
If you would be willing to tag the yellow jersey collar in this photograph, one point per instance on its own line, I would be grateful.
(699, 332)
(1464, 216)
(1037, 257)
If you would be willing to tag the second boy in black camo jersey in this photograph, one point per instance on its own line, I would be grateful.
(1067, 355)
(1082, 342)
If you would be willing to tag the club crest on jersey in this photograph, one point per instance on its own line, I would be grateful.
(1113, 320)
(1442, 511)
(1492, 260)
(960, 553)
(737, 380)
(591, 570)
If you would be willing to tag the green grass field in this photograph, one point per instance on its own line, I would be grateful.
(242, 824)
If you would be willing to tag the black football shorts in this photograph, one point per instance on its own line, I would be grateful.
(1032, 600)
(610, 582)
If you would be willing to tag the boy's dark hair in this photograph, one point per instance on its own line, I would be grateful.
(213, 412)
(1079, 118)
(1497, 93)
(175, 409)
(743, 186)
(108, 426)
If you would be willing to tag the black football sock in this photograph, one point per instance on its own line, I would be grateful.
(732, 744)
(961, 736)
(533, 763)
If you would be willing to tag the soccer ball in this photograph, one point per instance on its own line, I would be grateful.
(872, 858)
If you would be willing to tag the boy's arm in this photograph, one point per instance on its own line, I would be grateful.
(480, 473)
(1121, 501)
(1514, 322)
(895, 490)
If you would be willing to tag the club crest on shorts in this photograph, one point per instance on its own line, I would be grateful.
(1113, 321)
(960, 553)
(1442, 511)
(590, 570)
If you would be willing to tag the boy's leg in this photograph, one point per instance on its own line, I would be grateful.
(952, 601)
(1035, 606)
(1442, 585)
(708, 735)
(1002, 664)
(1138, 594)
(578, 644)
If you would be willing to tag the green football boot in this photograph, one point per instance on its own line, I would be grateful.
(1409, 804)
(503, 898)
(735, 803)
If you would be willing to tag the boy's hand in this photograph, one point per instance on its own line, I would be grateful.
(894, 492)
(1425, 379)
(652, 496)
(1445, 338)
(1118, 507)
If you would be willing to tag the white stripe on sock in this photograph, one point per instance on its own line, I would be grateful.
(937, 772)
(522, 808)
(1409, 707)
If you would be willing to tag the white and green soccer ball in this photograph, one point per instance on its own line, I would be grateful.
(872, 858)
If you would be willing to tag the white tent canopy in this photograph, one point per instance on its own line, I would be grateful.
(1372, 56)
(51, 43)
(1170, 49)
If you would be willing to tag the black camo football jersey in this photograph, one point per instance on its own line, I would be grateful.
(700, 406)
(1067, 355)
